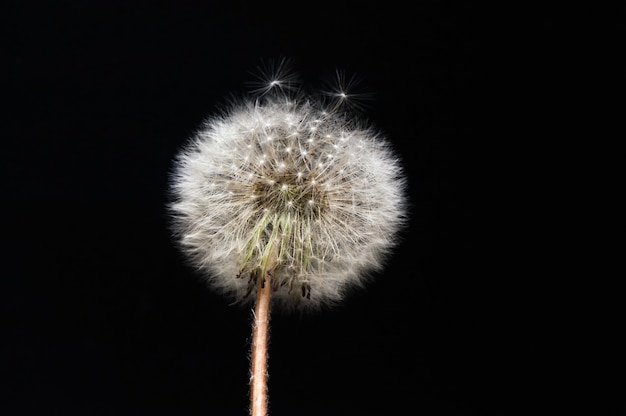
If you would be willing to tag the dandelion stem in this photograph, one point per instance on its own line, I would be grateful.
(260, 341)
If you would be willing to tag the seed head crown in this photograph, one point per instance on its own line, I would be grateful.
(284, 180)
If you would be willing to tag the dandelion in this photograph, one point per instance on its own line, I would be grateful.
(284, 197)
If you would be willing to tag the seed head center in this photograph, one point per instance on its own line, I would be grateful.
(288, 193)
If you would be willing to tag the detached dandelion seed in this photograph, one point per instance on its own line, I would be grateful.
(285, 198)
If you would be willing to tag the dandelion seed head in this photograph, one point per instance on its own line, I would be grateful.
(293, 179)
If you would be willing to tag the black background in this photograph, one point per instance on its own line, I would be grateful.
(104, 316)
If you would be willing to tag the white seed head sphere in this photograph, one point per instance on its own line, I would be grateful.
(283, 181)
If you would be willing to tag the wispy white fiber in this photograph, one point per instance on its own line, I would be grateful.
(284, 176)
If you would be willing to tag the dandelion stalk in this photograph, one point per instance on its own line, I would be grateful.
(260, 340)
(287, 202)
